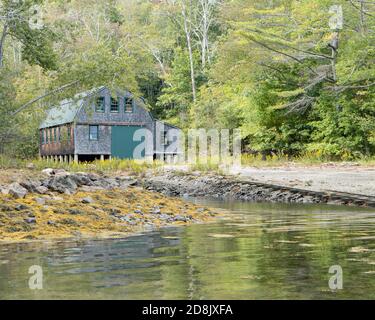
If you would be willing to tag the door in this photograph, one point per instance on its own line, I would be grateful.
(122, 141)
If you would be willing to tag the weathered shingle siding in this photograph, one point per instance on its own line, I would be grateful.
(85, 146)
(87, 113)
(87, 116)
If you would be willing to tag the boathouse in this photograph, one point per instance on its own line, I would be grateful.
(101, 125)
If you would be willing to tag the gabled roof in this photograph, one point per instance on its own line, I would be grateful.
(64, 113)
(67, 110)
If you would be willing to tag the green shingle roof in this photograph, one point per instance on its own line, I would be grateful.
(64, 113)
(67, 110)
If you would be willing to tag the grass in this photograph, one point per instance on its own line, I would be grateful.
(209, 165)
(108, 166)
(305, 159)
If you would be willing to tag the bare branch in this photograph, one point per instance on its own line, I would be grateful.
(26, 105)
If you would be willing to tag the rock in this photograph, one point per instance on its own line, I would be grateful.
(30, 166)
(87, 200)
(75, 211)
(41, 190)
(138, 211)
(156, 210)
(5, 191)
(61, 172)
(48, 172)
(114, 211)
(125, 182)
(30, 220)
(57, 198)
(128, 220)
(51, 223)
(17, 191)
(91, 188)
(40, 201)
(92, 176)
(180, 218)
(62, 184)
(31, 185)
(81, 179)
(166, 217)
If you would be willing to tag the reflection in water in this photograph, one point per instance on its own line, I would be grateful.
(258, 251)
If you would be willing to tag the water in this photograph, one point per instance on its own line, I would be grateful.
(259, 251)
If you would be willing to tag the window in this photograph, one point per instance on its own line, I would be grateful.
(114, 105)
(100, 105)
(69, 133)
(54, 135)
(165, 138)
(42, 137)
(94, 133)
(58, 134)
(47, 135)
(128, 105)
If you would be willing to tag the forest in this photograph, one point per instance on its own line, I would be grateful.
(293, 76)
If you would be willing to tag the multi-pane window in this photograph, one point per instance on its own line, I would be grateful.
(42, 137)
(94, 133)
(100, 104)
(114, 105)
(54, 135)
(128, 105)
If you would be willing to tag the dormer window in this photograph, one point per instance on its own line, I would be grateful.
(114, 105)
(100, 105)
(128, 105)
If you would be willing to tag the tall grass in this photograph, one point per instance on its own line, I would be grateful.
(107, 166)
(306, 158)
(115, 165)
(210, 165)
(11, 163)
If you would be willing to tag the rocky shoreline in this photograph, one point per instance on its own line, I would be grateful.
(62, 205)
(232, 188)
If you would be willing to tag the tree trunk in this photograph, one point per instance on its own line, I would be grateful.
(2, 41)
(190, 50)
(362, 17)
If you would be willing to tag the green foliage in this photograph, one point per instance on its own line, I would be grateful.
(263, 66)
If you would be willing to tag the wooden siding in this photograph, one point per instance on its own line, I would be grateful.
(61, 145)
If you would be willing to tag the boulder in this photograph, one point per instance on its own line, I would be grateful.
(48, 171)
(87, 200)
(81, 179)
(41, 190)
(17, 191)
(31, 185)
(61, 173)
(62, 184)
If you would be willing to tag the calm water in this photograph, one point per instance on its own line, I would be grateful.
(261, 251)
